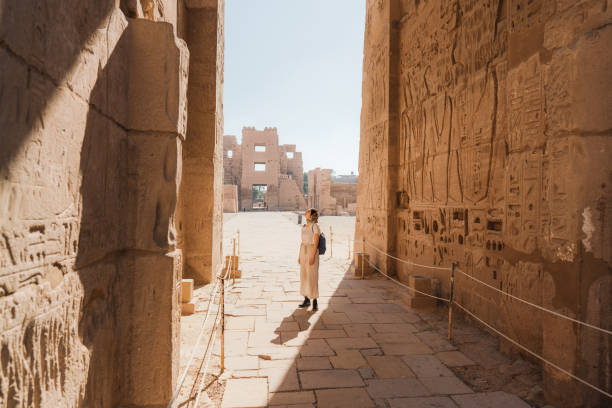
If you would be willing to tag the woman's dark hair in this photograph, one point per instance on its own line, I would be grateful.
(314, 215)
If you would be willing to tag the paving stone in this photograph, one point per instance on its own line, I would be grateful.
(344, 398)
(348, 359)
(396, 349)
(490, 400)
(352, 343)
(396, 388)
(427, 366)
(240, 323)
(327, 334)
(274, 353)
(316, 348)
(359, 330)
(371, 352)
(245, 392)
(395, 338)
(422, 402)
(286, 364)
(263, 338)
(435, 341)
(313, 363)
(330, 379)
(388, 317)
(245, 373)
(360, 317)
(366, 373)
(281, 379)
(291, 398)
(334, 318)
(454, 359)
(445, 385)
(389, 367)
(288, 326)
(394, 328)
(242, 363)
(294, 338)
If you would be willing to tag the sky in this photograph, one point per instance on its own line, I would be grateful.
(297, 65)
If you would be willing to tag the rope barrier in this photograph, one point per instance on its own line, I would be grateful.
(213, 294)
(207, 355)
(535, 305)
(442, 268)
(405, 286)
(607, 394)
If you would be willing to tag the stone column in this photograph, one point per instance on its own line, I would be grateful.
(150, 264)
(201, 201)
(379, 132)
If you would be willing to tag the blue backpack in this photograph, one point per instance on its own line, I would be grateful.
(321, 247)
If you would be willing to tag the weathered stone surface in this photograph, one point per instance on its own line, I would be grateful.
(348, 359)
(291, 398)
(330, 379)
(489, 400)
(427, 366)
(313, 363)
(454, 359)
(344, 398)
(245, 392)
(395, 388)
(389, 367)
(485, 137)
(445, 385)
(422, 402)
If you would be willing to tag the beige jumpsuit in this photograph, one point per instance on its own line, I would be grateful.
(309, 274)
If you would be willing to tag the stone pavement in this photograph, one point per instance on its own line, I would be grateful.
(363, 348)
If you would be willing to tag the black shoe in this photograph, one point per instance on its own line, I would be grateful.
(305, 303)
(315, 307)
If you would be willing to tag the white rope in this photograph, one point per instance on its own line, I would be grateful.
(607, 394)
(535, 305)
(405, 286)
(442, 268)
(207, 355)
(213, 294)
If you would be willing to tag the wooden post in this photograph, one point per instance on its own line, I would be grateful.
(222, 306)
(238, 242)
(363, 258)
(450, 303)
(349, 248)
(234, 267)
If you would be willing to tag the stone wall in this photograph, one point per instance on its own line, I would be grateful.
(485, 141)
(94, 122)
(345, 195)
(281, 174)
(230, 198)
(319, 191)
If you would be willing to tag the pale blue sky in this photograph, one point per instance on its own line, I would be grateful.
(297, 65)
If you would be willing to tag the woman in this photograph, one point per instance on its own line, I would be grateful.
(309, 259)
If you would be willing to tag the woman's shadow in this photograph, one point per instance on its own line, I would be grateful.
(299, 316)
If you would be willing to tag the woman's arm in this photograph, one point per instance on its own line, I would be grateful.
(315, 248)
(300, 253)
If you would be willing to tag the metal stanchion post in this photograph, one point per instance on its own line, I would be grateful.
(450, 303)
(331, 242)
(222, 306)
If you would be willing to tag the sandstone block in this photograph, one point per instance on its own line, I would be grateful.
(418, 302)
(396, 388)
(419, 283)
(186, 290)
(246, 393)
(187, 308)
(344, 398)
(330, 379)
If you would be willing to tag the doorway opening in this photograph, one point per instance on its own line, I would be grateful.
(259, 196)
